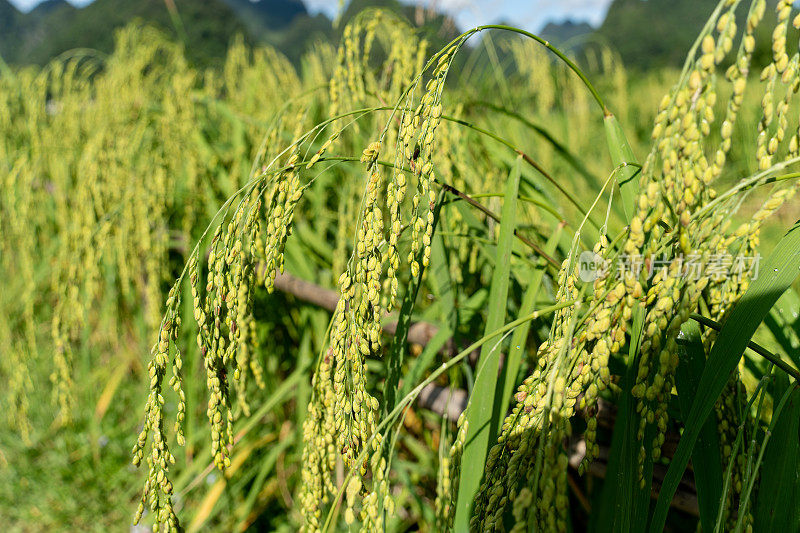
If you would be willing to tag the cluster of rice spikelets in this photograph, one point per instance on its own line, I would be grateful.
(95, 140)
(247, 248)
(84, 158)
(109, 167)
(355, 80)
(342, 414)
(526, 469)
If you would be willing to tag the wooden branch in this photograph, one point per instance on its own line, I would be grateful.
(445, 401)
(307, 291)
(419, 333)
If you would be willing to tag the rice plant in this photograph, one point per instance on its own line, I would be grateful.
(379, 299)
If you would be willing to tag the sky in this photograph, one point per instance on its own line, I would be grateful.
(27, 5)
(529, 14)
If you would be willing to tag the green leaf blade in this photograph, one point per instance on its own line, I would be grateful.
(705, 456)
(776, 507)
(482, 412)
(621, 157)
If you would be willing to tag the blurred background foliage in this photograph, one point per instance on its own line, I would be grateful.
(647, 34)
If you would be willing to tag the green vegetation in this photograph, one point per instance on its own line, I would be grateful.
(206, 27)
(56, 27)
(656, 33)
(400, 282)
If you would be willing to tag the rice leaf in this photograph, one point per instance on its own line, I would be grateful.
(305, 358)
(752, 474)
(784, 324)
(558, 147)
(776, 508)
(625, 502)
(444, 290)
(622, 156)
(425, 360)
(441, 283)
(483, 412)
(778, 272)
(265, 467)
(705, 456)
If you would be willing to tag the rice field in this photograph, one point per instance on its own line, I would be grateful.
(496, 286)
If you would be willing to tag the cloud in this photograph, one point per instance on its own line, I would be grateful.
(24, 5)
(530, 14)
(27, 5)
(329, 7)
(451, 5)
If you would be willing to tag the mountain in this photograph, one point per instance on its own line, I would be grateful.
(284, 24)
(654, 33)
(437, 28)
(567, 32)
(47, 7)
(261, 15)
(32, 31)
(647, 33)
(8, 14)
(9, 20)
(208, 26)
(55, 27)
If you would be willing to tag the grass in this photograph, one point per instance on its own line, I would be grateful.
(485, 410)
(117, 170)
